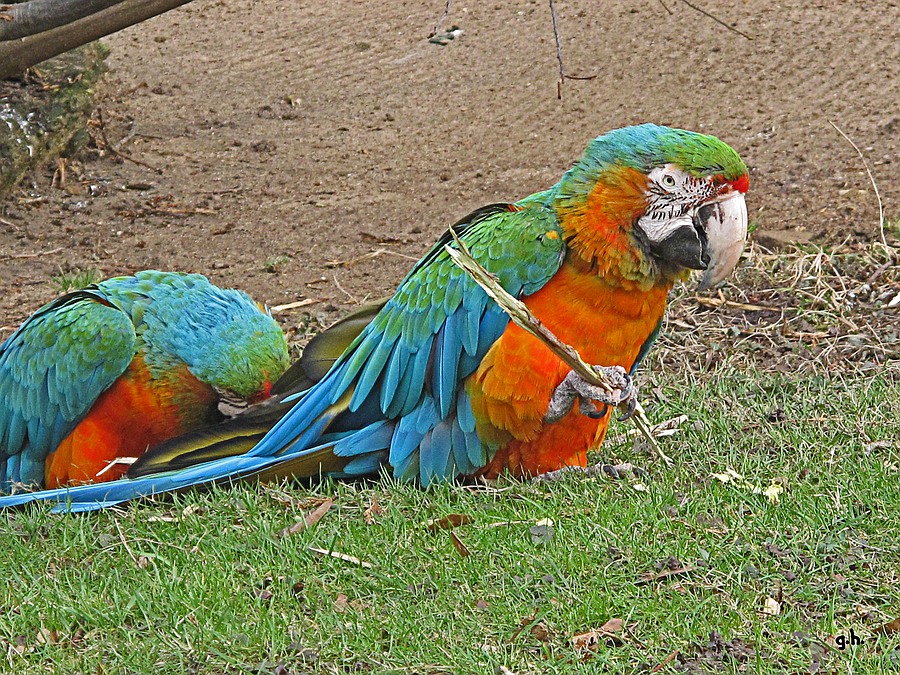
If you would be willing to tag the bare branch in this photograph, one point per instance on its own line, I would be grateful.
(37, 16)
(17, 55)
(563, 75)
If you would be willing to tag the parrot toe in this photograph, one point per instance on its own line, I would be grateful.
(621, 391)
(615, 471)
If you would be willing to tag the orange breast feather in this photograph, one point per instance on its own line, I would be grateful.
(135, 413)
(512, 388)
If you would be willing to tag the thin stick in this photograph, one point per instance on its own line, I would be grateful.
(716, 19)
(523, 317)
(871, 180)
(440, 21)
(19, 256)
(559, 59)
(293, 305)
(119, 153)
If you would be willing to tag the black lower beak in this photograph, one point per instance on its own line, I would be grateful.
(685, 247)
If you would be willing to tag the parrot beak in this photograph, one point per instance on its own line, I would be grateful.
(724, 222)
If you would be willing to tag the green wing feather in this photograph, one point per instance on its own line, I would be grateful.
(52, 369)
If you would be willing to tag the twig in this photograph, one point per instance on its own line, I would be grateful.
(293, 305)
(440, 21)
(717, 302)
(871, 179)
(118, 153)
(19, 256)
(371, 254)
(125, 544)
(340, 556)
(716, 19)
(341, 289)
(559, 59)
(522, 316)
(662, 664)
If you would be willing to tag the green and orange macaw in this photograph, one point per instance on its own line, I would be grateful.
(103, 373)
(440, 384)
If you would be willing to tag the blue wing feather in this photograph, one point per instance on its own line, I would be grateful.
(409, 363)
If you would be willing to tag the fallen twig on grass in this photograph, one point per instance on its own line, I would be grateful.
(340, 556)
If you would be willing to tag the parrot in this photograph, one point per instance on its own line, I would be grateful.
(100, 374)
(439, 385)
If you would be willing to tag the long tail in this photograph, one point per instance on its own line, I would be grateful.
(347, 455)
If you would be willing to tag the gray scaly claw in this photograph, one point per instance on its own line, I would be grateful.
(575, 387)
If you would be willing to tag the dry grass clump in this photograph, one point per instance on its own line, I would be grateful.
(798, 310)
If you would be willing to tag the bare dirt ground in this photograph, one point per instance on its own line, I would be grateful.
(312, 150)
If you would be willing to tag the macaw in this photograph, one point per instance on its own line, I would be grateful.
(439, 384)
(103, 373)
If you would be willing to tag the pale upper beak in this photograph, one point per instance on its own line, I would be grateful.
(724, 222)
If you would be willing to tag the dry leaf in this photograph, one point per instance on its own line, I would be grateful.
(540, 631)
(47, 637)
(448, 522)
(460, 547)
(590, 640)
(890, 628)
(771, 607)
(341, 603)
(263, 594)
(542, 531)
(310, 520)
(773, 492)
(647, 577)
(481, 604)
(729, 476)
(372, 511)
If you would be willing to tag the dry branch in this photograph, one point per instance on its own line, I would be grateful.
(18, 54)
(37, 16)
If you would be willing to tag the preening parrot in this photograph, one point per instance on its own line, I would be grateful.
(105, 372)
(439, 384)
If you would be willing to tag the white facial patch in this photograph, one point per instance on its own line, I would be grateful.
(658, 229)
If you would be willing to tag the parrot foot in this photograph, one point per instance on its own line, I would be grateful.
(575, 387)
(624, 470)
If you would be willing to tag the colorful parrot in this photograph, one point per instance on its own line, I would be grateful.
(439, 384)
(106, 372)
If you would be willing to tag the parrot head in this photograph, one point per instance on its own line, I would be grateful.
(650, 202)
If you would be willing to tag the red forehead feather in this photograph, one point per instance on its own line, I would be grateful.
(742, 184)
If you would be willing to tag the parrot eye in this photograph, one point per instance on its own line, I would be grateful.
(669, 180)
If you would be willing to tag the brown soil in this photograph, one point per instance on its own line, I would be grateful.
(312, 150)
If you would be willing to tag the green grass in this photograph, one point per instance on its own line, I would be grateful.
(204, 584)
(75, 280)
